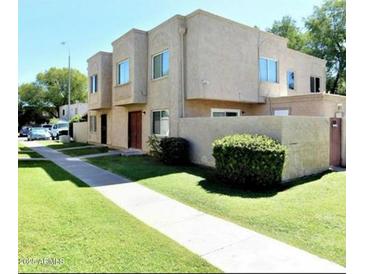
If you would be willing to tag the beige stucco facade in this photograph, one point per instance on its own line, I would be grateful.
(306, 139)
(213, 64)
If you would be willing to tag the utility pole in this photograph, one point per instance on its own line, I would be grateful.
(69, 82)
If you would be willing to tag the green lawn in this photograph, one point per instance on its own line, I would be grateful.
(26, 152)
(29, 154)
(60, 217)
(85, 151)
(309, 214)
(57, 144)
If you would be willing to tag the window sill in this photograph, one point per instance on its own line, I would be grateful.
(122, 85)
(269, 82)
(160, 78)
(160, 136)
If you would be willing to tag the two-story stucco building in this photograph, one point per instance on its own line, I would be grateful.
(199, 65)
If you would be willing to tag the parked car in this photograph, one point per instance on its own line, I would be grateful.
(39, 133)
(47, 126)
(59, 129)
(24, 131)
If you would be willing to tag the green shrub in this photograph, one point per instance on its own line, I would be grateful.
(249, 161)
(174, 150)
(155, 148)
(75, 119)
(54, 120)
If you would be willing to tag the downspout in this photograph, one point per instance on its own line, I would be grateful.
(258, 65)
(182, 32)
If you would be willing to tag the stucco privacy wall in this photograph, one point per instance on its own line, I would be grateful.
(306, 138)
(80, 132)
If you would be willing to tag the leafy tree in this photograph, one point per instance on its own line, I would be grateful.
(287, 28)
(40, 100)
(324, 36)
(55, 84)
(31, 104)
(54, 120)
(327, 39)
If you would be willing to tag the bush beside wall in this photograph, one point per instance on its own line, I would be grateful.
(249, 161)
(170, 150)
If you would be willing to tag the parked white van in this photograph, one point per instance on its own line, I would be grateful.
(58, 128)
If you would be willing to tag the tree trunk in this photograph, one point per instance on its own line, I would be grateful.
(335, 83)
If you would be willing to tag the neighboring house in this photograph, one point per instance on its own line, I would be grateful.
(77, 108)
(199, 65)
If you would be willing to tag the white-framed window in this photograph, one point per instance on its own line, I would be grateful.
(160, 64)
(94, 83)
(123, 72)
(92, 123)
(63, 112)
(291, 80)
(222, 112)
(160, 122)
(281, 112)
(268, 70)
(315, 84)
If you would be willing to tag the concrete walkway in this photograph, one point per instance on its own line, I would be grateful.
(109, 153)
(80, 147)
(225, 245)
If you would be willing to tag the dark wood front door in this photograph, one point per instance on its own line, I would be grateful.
(103, 128)
(135, 129)
(335, 141)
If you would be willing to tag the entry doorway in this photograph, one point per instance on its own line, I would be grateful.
(335, 141)
(135, 129)
(104, 129)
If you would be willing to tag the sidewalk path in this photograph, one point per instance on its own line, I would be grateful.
(225, 245)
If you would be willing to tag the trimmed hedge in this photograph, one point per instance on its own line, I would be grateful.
(249, 161)
(174, 150)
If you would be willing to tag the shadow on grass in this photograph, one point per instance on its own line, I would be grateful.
(213, 186)
(138, 168)
(55, 172)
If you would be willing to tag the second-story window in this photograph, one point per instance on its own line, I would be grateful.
(268, 70)
(94, 83)
(291, 85)
(123, 72)
(160, 64)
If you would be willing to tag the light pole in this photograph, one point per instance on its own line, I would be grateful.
(69, 81)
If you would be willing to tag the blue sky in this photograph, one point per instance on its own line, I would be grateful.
(91, 25)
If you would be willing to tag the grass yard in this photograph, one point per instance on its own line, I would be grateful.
(309, 214)
(60, 217)
(57, 144)
(85, 151)
(29, 154)
(26, 152)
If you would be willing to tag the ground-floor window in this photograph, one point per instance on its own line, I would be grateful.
(281, 112)
(160, 122)
(220, 112)
(92, 123)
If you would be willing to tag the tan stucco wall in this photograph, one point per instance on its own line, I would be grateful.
(131, 46)
(307, 139)
(95, 137)
(100, 64)
(222, 61)
(325, 105)
(202, 108)
(228, 66)
(80, 132)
